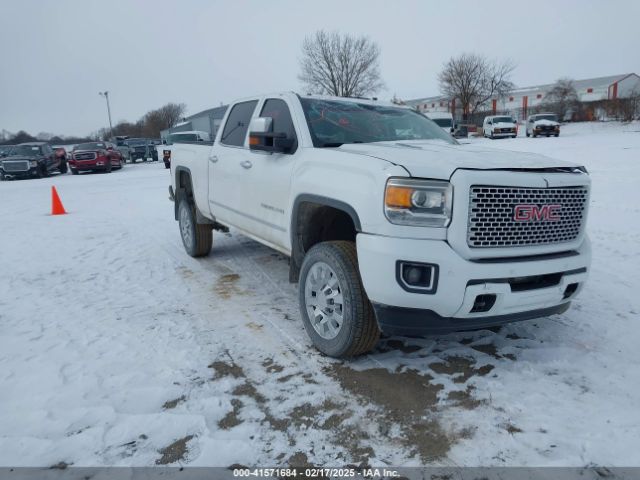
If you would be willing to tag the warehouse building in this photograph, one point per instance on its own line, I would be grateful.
(206, 121)
(522, 101)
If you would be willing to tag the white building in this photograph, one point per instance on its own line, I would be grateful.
(521, 100)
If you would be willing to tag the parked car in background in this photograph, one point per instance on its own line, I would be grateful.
(120, 142)
(33, 159)
(95, 156)
(141, 148)
(461, 131)
(188, 136)
(61, 153)
(543, 124)
(499, 126)
(443, 119)
(181, 137)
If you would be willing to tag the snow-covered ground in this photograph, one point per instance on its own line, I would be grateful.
(116, 348)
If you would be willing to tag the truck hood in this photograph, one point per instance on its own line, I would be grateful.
(439, 160)
(19, 157)
(546, 122)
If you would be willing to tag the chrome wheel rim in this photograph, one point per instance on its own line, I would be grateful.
(324, 301)
(185, 226)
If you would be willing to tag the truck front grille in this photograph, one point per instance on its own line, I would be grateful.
(15, 166)
(85, 156)
(493, 223)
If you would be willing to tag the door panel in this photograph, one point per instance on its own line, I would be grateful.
(226, 174)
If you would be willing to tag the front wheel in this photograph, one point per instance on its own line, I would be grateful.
(197, 238)
(334, 306)
(63, 167)
(74, 171)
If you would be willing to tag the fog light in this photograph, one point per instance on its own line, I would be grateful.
(417, 277)
(570, 290)
(483, 303)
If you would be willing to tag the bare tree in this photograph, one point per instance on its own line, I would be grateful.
(474, 80)
(341, 65)
(562, 98)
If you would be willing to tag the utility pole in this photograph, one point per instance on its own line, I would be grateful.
(105, 94)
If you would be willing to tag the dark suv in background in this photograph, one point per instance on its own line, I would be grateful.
(142, 148)
(28, 160)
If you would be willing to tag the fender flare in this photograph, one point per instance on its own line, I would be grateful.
(297, 253)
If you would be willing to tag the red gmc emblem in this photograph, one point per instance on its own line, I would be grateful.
(534, 213)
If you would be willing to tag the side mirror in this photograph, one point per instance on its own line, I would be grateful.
(262, 138)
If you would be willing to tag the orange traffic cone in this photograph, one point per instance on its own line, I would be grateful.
(56, 204)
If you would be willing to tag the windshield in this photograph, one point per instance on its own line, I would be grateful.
(442, 122)
(551, 117)
(137, 142)
(183, 137)
(333, 123)
(27, 150)
(91, 146)
(5, 149)
(503, 120)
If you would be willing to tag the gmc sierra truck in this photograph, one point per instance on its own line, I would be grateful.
(390, 224)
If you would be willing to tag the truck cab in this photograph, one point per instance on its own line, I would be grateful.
(444, 120)
(390, 224)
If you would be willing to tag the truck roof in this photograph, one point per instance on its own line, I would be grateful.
(369, 101)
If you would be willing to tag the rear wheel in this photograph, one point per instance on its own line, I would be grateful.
(335, 309)
(197, 238)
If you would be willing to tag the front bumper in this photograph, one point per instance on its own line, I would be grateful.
(504, 134)
(32, 172)
(460, 282)
(88, 166)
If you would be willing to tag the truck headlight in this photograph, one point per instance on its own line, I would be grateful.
(33, 163)
(424, 203)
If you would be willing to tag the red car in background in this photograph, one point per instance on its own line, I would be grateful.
(93, 156)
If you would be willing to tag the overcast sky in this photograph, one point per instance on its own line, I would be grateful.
(57, 55)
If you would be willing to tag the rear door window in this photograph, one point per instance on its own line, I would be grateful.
(282, 122)
(235, 130)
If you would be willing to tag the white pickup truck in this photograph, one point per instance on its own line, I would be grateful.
(390, 225)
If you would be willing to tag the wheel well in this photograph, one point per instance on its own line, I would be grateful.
(314, 223)
(184, 188)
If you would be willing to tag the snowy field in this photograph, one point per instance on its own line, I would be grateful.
(116, 348)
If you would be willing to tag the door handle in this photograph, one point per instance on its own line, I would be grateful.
(246, 164)
(213, 158)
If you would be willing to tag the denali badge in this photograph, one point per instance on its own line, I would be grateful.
(533, 213)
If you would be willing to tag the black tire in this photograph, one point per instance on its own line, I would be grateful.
(197, 238)
(108, 167)
(557, 135)
(359, 331)
(167, 165)
(528, 134)
(74, 171)
(63, 167)
(43, 172)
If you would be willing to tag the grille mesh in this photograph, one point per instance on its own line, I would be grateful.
(16, 166)
(491, 216)
(85, 156)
